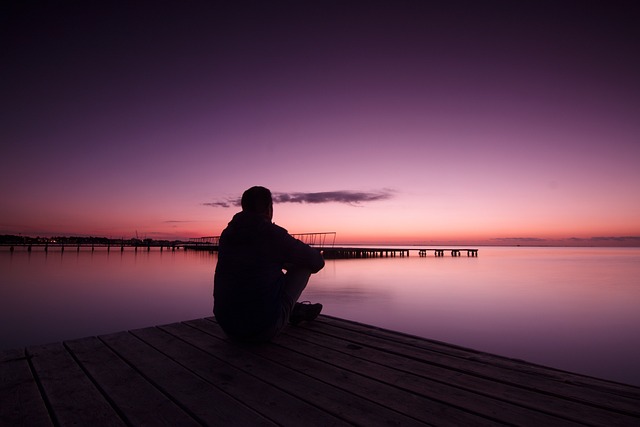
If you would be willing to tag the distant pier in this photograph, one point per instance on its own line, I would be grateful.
(358, 252)
(324, 242)
(61, 247)
(454, 252)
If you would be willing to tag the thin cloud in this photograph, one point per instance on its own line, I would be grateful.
(348, 197)
(354, 198)
(520, 239)
(621, 241)
(599, 239)
(227, 204)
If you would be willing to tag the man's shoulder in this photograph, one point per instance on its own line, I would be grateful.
(275, 228)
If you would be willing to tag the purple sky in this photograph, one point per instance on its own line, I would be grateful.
(500, 122)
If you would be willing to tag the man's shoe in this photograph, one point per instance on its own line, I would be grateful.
(304, 311)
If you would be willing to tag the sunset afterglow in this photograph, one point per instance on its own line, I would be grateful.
(400, 123)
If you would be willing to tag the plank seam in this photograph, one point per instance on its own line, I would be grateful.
(95, 383)
(200, 376)
(344, 325)
(479, 375)
(150, 381)
(333, 385)
(310, 402)
(47, 403)
(404, 389)
(467, 389)
(418, 394)
(357, 337)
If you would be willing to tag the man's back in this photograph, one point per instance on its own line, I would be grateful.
(249, 278)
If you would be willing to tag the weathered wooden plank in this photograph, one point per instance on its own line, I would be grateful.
(387, 369)
(551, 384)
(208, 403)
(264, 398)
(12, 354)
(477, 394)
(544, 373)
(344, 405)
(21, 403)
(446, 394)
(327, 372)
(139, 402)
(73, 398)
(291, 352)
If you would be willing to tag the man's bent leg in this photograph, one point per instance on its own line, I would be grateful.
(296, 280)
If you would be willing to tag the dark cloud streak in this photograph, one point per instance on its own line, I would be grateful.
(354, 198)
(595, 241)
(519, 239)
(349, 197)
(228, 204)
(619, 239)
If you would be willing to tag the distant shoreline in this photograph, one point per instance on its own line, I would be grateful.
(9, 239)
(593, 242)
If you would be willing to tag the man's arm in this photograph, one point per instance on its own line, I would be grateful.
(300, 254)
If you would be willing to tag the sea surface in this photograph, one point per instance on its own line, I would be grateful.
(576, 309)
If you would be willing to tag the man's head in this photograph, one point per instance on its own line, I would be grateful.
(258, 200)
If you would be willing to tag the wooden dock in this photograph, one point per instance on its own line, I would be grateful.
(361, 252)
(325, 242)
(327, 372)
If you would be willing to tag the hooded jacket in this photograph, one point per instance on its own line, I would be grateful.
(249, 275)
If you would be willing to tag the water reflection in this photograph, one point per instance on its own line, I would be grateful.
(574, 309)
(63, 295)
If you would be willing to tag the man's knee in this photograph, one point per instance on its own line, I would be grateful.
(298, 275)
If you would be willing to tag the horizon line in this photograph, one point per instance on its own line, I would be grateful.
(595, 241)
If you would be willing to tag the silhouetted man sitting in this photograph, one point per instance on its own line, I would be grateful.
(253, 297)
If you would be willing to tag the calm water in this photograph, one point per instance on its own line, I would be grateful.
(576, 309)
